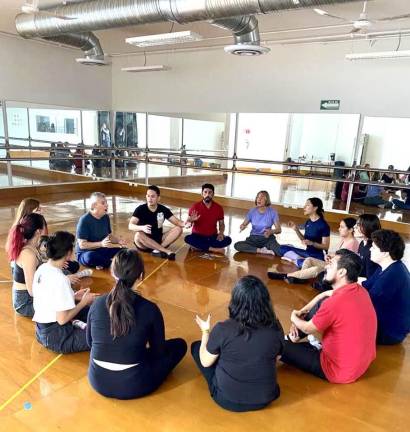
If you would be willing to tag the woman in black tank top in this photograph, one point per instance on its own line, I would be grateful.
(22, 248)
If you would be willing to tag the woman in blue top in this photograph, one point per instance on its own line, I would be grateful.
(262, 238)
(316, 235)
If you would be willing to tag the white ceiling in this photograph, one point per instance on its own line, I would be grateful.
(273, 27)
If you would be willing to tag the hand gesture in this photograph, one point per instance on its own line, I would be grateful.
(146, 229)
(78, 295)
(122, 242)
(106, 243)
(328, 258)
(194, 216)
(294, 316)
(73, 279)
(267, 232)
(242, 227)
(220, 237)
(293, 333)
(292, 225)
(205, 326)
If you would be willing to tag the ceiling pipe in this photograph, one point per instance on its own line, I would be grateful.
(107, 14)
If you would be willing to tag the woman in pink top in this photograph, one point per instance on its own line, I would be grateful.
(311, 266)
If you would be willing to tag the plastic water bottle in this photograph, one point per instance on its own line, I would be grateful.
(160, 219)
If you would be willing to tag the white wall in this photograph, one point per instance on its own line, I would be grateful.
(46, 74)
(292, 78)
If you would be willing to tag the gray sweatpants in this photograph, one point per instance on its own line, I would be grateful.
(254, 242)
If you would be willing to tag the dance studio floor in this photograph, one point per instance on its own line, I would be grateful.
(42, 391)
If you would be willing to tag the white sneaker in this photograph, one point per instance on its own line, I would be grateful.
(84, 273)
(314, 342)
(79, 324)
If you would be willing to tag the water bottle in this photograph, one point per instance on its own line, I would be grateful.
(160, 219)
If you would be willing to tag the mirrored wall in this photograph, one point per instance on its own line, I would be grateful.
(292, 155)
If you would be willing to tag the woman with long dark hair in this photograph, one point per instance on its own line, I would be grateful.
(238, 357)
(23, 251)
(312, 267)
(56, 306)
(366, 225)
(316, 236)
(120, 325)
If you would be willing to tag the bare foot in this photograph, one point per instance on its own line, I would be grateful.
(217, 250)
(265, 251)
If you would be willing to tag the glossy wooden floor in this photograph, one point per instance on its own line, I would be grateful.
(61, 398)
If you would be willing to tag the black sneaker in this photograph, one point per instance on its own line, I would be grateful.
(294, 280)
(171, 256)
(159, 254)
(276, 276)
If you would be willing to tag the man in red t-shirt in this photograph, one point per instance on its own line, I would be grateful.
(208, 229)
(346, 322)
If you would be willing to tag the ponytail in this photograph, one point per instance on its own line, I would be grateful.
(15, 242)
(121, 310)
(318, 203)
(127, 266)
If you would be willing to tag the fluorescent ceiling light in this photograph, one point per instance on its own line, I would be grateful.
(320, 11)
(152, 68)
(164, 39)
(379, 55)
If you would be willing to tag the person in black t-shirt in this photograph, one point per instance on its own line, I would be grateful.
(147, 223)
(238, 357)
(366, 225)
(130, 356)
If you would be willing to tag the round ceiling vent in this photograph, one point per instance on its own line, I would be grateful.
(246, 50)
(91, 62)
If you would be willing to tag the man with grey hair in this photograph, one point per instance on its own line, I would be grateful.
(96, 245)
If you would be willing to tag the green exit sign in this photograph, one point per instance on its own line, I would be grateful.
(330, 105)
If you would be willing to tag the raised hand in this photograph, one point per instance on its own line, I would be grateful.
(205, 326)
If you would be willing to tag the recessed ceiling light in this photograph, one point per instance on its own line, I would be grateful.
(164, 39)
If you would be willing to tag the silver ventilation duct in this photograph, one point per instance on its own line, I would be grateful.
(246, 34)
(87, 42)
(106, 14)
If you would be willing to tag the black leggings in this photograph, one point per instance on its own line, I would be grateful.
(208, 373)
(140, 380)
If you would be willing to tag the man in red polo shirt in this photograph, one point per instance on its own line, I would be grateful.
(208, 228)
(345, 321)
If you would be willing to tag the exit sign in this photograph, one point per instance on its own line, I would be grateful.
(330, 105)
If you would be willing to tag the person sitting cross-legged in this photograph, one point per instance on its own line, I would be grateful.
(96, 245)
(147, 223)
(238, 357)
(345, 321)
(205, 215)
(389, 287)
(265, 224)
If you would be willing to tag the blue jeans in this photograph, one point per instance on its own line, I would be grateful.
(98, 257)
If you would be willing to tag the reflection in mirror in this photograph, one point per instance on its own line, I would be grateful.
(383, 145)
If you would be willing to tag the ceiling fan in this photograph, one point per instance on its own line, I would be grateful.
(32, 7)
(363, 23)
